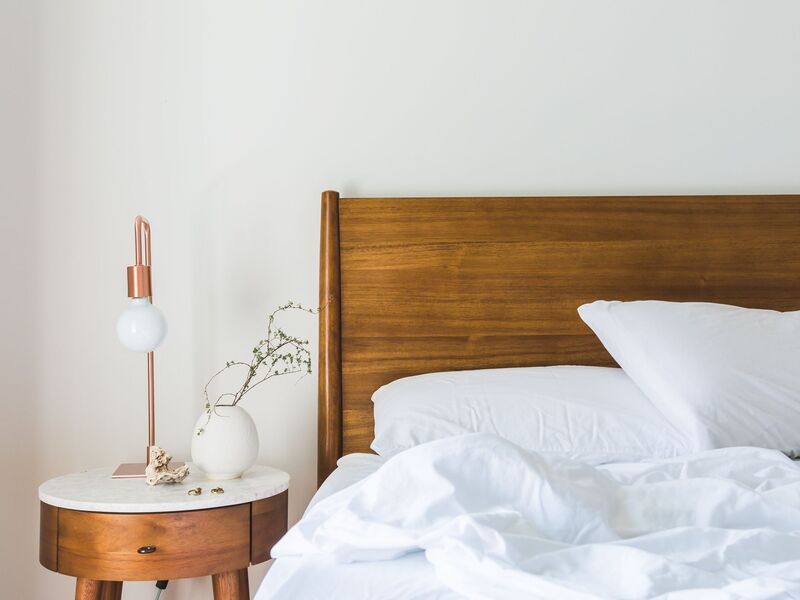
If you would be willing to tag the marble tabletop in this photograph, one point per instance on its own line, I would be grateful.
(95, 491)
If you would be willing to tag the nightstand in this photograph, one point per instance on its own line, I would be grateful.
(106, 531)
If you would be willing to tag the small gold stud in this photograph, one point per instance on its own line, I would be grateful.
(217, 490)
(195, 491)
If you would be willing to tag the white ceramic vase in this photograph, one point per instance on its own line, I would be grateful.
(225, 442)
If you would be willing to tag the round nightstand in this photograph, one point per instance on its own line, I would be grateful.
(105, 531)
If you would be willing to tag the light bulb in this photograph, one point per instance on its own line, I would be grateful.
(141, 327)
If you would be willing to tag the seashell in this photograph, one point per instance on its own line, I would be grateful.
(158, 470)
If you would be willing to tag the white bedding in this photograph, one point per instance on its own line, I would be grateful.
(729, 375)
(350, 469)
(320, 577)
(475, 516)
(592, 414)
(314, 576)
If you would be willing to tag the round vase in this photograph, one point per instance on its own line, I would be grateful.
(225, 442)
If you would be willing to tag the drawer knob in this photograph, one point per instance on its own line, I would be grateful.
(146, 550)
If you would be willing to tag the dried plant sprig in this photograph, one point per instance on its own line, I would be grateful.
(279, 353)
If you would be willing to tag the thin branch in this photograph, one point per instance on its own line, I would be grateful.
(274, 375)
(267, 350)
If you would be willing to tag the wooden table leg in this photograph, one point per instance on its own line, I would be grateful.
(88, 589)
(112, 590)
(231, 585)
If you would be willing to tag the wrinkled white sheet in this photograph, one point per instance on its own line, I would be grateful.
(497, 522)
(350, 469)
(320, 577)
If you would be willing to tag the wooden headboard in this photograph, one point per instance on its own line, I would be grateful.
(414, 285)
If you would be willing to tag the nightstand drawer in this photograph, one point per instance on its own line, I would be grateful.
(115, 547)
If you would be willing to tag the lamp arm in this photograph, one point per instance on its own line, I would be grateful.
(139, 273)
(141, 230)
(139, 225)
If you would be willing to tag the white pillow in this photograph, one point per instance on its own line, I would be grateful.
(593, 414)
(729, 373)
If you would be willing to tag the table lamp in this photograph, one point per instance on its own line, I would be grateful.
(142, 328)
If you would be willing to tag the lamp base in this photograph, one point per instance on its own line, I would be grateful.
(134, 470)
(129, 471)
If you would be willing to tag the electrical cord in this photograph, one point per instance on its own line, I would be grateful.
(161, 585)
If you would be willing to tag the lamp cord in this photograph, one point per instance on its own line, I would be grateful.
(161, 585)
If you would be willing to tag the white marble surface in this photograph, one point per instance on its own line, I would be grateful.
(95, 491)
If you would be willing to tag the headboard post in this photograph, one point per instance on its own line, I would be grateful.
(329, 415)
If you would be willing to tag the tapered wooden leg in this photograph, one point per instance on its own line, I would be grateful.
(88, 589)
(231, 585)
(112, 590)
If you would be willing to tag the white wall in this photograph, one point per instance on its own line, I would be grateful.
(223, 121)
(19, 509)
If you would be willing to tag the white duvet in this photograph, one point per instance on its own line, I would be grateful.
(495, 521)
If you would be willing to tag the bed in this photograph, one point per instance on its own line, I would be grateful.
(420, 285)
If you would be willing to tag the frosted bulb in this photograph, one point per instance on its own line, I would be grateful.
(141, 327)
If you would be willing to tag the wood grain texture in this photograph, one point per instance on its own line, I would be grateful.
(112, 590)
(48, 536)
(269, 521)
(329, 415)
(88, 589)
(231, 585)
(103, 546)
(433, 284)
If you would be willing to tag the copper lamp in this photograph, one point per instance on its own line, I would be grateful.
(142, 328)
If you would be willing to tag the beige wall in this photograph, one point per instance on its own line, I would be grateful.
(18, 249)
(222, 122)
